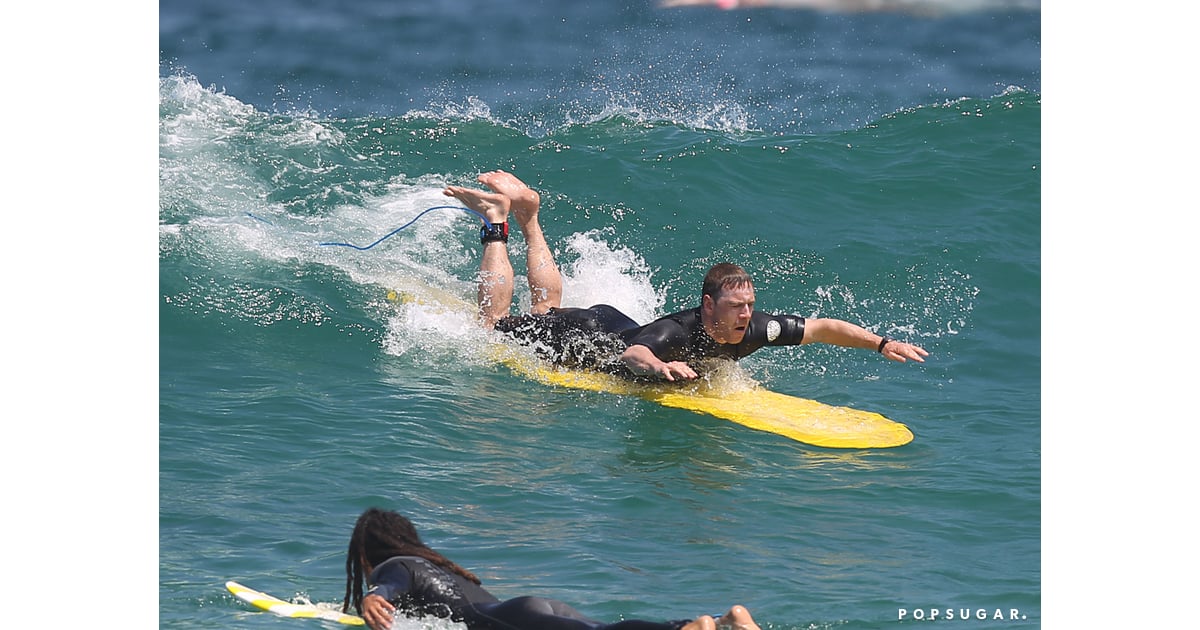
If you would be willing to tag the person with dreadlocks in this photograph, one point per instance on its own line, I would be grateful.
(404, 574)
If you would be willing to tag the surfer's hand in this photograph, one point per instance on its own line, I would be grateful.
(677, 369)
(900, 351)
(641, 361)
(377, 612)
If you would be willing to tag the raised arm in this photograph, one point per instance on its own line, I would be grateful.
(840, 333)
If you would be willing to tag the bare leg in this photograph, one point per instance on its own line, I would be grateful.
(495, 270)
(545, 281)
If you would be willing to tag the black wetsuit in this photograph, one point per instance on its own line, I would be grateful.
(595, 337)
(421, 589)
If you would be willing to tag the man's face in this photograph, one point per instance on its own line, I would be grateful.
(726, 317)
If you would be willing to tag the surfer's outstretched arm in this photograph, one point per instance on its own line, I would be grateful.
(840, 333)
(495, 270)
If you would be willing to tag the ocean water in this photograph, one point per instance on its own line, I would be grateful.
(883, 168)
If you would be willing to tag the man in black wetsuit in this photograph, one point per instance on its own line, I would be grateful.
(725, 325)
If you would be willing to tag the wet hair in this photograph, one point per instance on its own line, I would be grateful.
(380, 535)
(724, 276)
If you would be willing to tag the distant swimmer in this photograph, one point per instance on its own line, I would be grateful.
(724, 325)
(404, 575)
(916, 7)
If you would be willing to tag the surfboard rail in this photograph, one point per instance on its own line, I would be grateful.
(750, 405)
(273, 604)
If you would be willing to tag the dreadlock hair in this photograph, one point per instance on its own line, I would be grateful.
(379, 535)
(724, 276)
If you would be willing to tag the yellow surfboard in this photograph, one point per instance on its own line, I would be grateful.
(736, 399)
(289, 609)
(800, 419)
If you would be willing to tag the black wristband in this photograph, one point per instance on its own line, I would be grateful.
(494, 232)
(882, 342)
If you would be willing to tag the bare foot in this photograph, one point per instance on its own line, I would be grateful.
(525, 200)
(494, 206)
(737, 618)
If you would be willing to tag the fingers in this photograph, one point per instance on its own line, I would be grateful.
(901, 352)
(678, 369)
(377, 620)
(377, 612)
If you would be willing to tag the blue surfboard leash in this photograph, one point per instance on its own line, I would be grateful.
(414, 220)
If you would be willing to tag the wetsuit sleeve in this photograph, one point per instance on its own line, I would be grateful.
(665, 337)
(391, 580)
(780, 330)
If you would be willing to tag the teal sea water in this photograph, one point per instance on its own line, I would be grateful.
(879, 168)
